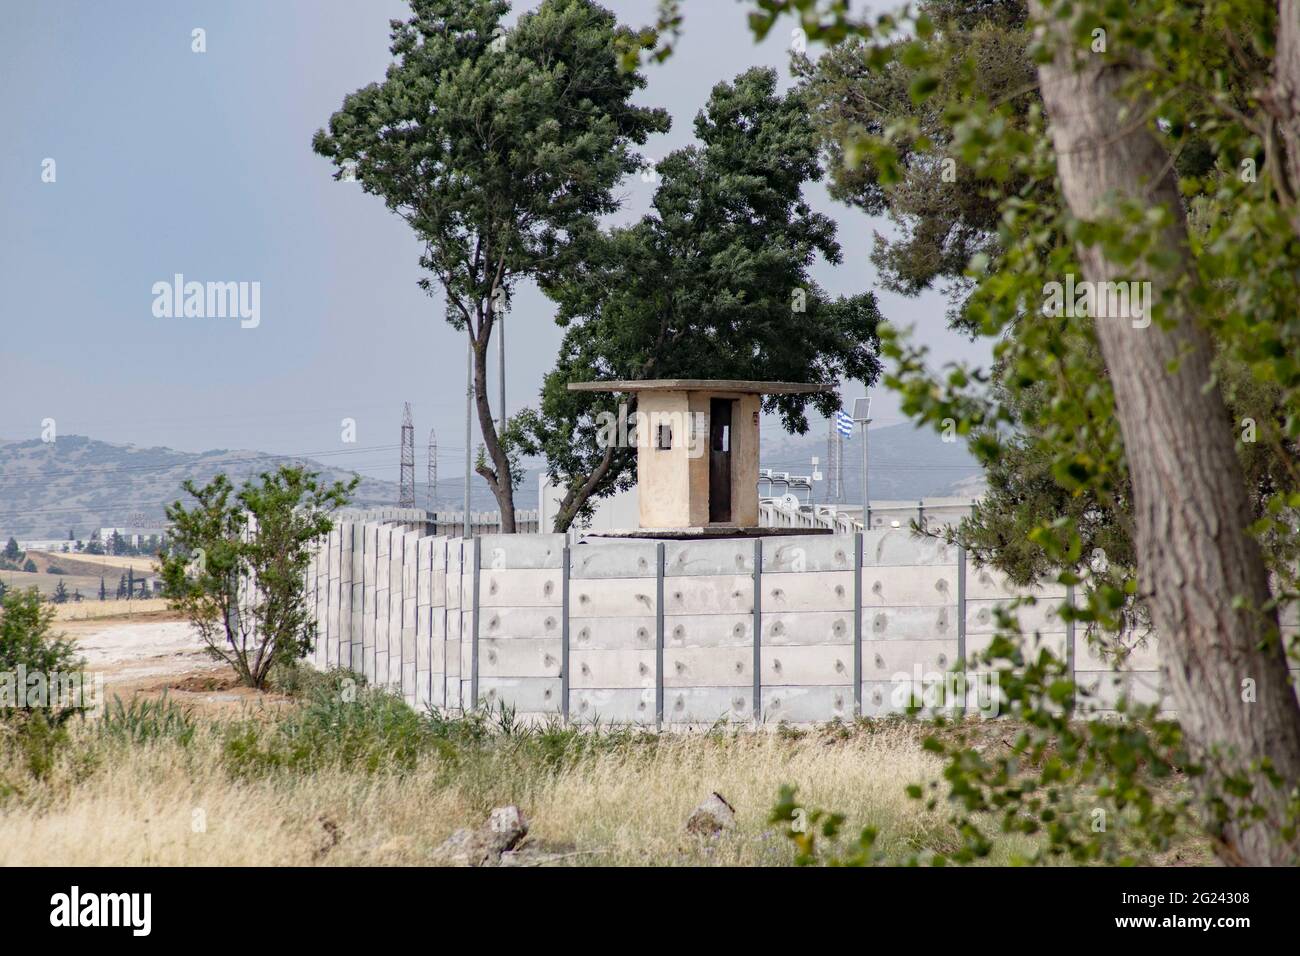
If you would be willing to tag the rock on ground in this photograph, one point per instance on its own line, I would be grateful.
(711, 817)
(503, 830)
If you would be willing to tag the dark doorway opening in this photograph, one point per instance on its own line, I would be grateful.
(720, 459)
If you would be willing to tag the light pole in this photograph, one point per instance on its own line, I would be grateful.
(501, 376)
(466, 531)
(862, 415)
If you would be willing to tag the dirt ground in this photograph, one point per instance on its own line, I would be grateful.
(157, 653)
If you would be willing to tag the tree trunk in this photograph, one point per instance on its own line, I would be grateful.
(497, 474)
(1195, 555)
(1283, 103)
(577, 496)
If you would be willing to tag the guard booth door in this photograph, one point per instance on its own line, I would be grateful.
(720, 459)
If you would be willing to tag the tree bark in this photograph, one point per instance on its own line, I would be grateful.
(497, 474)
(1195, 555)
(578, 495)
(1282, 102)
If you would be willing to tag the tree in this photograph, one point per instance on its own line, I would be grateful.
(253, 543)
(26, 643)
(1126, 87)
(712, 283)
(60, 593)
(945, 214)
(1189, 496)
(12, 552)
(121, 587)
(116, 544)
(30, 566)
(103, 591)
(498, 148)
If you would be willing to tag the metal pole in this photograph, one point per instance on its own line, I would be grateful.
(501, 384)
(756, 710)
(866, 492)
(466, 530)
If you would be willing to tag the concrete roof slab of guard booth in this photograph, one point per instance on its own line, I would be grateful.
(697, 453)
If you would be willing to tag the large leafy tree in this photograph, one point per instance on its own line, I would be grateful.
(712, 283)
(1126, 88)
(499, 148)
(946, 214)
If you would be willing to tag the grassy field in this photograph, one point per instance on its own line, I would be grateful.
(375, 783)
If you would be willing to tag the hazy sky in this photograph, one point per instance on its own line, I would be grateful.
(170, 161)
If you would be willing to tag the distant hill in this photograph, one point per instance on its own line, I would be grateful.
(82, 484)
(78, 483)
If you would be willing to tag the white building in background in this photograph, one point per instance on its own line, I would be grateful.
(132, 536)
(40, 544)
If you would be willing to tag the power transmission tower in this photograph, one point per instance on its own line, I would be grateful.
(432, 490)
(406, 480)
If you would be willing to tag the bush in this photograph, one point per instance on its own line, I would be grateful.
(27, 646)
(142, 720)
(342, 724)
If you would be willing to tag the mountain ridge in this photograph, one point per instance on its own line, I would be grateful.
(80, 484)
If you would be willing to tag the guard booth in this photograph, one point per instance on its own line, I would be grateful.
(697, 451)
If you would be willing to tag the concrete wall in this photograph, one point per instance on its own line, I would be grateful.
(675, 634)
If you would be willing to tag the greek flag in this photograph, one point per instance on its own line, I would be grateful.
(844, 424)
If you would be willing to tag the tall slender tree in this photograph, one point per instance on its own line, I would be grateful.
(498, 148)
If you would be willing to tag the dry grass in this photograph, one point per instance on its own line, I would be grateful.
(94, 609)
(109, 802)
(99, 563)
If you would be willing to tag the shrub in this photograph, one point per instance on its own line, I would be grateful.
(144, 720)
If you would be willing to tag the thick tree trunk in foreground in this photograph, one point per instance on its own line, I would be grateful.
(1190, 505)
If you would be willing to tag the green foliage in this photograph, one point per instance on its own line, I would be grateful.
(344, 723)
(261, 533)
(40, 680)
(943, 75)
(810, 830)
(341, 724)
(27, 643)
(500, 148)
(712, 283)
(141, 721)
(948, 216)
